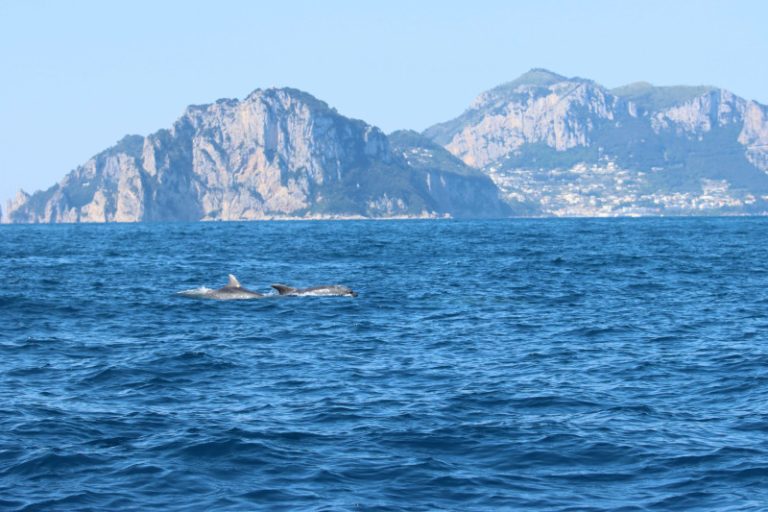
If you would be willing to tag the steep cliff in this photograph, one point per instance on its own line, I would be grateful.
(278, 153)
(572, 147)
(451, 184)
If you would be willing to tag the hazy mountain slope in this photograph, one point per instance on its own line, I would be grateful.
(453, 185)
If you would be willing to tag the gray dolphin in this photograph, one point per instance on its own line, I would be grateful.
(334, 290)
(232, 291)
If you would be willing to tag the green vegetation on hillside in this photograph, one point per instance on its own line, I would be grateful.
(652, 98)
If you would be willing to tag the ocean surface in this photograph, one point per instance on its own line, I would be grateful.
(485, 365)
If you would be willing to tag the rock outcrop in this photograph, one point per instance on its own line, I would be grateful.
(540, 107)
(568, 146)
(279, 153)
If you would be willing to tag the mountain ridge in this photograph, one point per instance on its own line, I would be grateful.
(571, 145)
(545, 143)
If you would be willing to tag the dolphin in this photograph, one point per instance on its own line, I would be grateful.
(334, 290)
(232, 291)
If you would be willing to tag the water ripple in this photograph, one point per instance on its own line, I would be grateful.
(512, 365)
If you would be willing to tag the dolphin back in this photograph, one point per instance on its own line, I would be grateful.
(333, 290)
(284, 289)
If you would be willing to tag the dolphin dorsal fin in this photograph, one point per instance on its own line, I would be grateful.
(283, 289)
(233, 282)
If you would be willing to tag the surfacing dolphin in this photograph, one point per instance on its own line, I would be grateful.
(334, 290)
(232, 291)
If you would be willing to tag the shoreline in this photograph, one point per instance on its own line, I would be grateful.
(346, 218)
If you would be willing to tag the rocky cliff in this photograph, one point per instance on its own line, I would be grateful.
(568, 146)
(279, 153)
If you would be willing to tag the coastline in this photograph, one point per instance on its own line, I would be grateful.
(342, 218)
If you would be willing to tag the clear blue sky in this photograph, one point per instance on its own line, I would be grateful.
(77, 75)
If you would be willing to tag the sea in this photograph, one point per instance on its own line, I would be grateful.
(524, 364)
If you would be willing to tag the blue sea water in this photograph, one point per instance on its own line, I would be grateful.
(498, 365)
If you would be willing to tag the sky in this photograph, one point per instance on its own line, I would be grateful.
(79, 75)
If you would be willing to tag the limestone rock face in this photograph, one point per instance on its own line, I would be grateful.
(451, 185)
(754, 134)
(277, 153)
(562, 116)
(19, 201)
(568, 146)
(701, 114)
